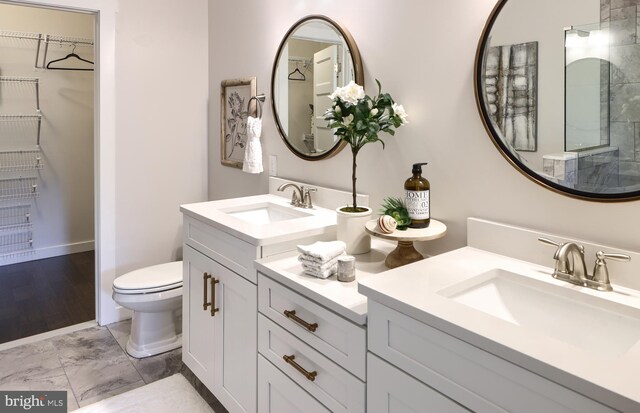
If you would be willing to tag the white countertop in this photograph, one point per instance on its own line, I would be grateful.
(412, 289)
(319, 220)
(340, 297)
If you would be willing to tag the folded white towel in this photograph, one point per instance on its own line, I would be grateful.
(308, 262)
(323, 251)
(322, 274)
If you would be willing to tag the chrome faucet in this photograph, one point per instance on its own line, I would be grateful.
(301, 195)
(571, 267)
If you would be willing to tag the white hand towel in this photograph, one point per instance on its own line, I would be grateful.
(323, 274)
(313, 264)
(253, 151)
(323, 251)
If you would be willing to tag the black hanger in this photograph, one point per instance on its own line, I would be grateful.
(300, 75)
(70, 55)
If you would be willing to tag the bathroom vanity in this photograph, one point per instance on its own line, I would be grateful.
(221, 241)
(483, 328)
(472, 330)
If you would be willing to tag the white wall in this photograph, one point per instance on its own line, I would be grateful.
(63, 214)
(425, 59)
(161, 127)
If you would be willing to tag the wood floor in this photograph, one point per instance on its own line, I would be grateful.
(45, 295)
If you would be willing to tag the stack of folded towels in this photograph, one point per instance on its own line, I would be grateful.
(320, 259)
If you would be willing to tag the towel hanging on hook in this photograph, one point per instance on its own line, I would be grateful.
(253, 151)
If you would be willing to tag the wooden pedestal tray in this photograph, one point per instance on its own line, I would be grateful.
(405, 252)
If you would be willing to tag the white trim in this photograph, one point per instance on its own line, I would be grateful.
(49, 252)
(105, 142)
(48, 334)
(65, 249)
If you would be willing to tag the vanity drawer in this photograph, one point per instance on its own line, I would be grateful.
(475, 378)
(391, 390)
(279, 394)
(337, 338)
(332, 386)
(233, 253)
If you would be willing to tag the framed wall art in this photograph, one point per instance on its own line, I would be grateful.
(511, 84)
(235, 95)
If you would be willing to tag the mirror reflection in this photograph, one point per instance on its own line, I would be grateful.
(315, 57)
(557, 86)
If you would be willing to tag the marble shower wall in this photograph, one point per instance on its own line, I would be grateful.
(624, 20)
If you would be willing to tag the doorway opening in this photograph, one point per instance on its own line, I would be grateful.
(47, 185)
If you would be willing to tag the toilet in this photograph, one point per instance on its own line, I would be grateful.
(155, 296)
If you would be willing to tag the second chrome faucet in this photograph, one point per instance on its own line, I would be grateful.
(571, 266)
(301, 196)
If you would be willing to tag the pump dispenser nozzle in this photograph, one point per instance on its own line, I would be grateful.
(417, 167)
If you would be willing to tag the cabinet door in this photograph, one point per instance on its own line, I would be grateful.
(197, 323)
(235, 341)
(390, 390)
(277, 393)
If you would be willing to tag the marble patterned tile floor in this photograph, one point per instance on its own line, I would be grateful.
(90, 365)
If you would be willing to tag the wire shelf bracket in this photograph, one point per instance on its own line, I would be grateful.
(24, 36)
(32, 80)
(27, 160)
(18, 188)
(25, 118)
(18, 242)
(15, 217)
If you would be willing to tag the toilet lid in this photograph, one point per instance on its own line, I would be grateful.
(157, 277)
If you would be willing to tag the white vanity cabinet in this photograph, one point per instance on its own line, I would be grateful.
(450, 375)
(390, 390)
(219, 318)
(314, 348)
(312, 337)
(220, 346)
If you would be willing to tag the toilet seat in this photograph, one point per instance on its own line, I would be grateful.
(158, 278)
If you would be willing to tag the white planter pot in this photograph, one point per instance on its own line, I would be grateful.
(351, 230)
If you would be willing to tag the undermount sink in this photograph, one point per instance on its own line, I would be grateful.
(264, 213)
(592, 323)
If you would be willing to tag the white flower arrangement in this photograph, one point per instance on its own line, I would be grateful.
(357, 119)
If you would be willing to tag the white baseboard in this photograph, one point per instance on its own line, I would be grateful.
(48, 252)
(48, 334)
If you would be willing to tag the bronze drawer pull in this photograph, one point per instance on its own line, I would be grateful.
(205, 303)
(214, 309)
(292, 315)
(311, 376)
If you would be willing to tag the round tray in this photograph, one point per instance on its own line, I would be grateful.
(435, 230)
(405, 252)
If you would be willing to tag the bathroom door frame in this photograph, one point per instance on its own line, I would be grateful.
(104, 163)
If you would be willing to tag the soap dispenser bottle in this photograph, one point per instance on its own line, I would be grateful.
(417, 198)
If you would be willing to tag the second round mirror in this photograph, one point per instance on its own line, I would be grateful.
(315, 56)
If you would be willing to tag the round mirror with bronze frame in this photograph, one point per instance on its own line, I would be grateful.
(315, 56)
(521, 90)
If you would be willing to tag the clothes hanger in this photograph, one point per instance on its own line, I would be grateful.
(70, 55)
(298, 76)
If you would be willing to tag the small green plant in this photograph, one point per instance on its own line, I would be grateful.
(357, 119)
(395, 207)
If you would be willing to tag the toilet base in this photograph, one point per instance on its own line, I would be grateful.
(152, 333)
